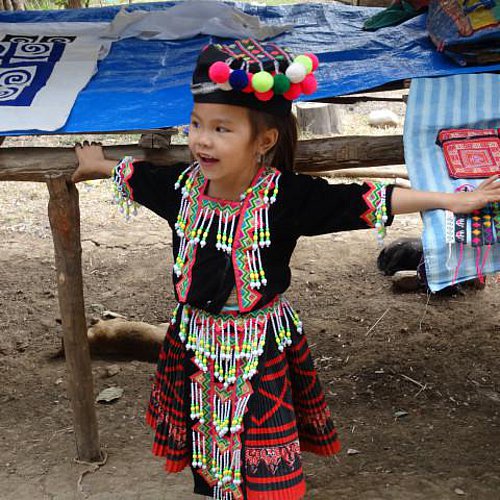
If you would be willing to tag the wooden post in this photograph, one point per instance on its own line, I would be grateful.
(318, 118)
(7, 5)
(157, 139)
(64, 216)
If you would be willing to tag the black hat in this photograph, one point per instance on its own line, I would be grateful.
(254, 75)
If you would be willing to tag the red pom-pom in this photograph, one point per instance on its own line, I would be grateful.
(219, 72)
(293, 92)
(248, 89)
(309, 84)
(264, 96)
(314, 60)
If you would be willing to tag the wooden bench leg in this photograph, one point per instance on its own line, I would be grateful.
(64, 216)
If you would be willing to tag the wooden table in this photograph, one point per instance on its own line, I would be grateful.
(54, 166)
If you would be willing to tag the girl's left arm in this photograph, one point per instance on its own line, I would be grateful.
(405, 201)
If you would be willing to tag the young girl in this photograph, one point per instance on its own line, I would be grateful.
(236, 395)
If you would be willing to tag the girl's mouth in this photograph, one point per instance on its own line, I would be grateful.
(206, 160)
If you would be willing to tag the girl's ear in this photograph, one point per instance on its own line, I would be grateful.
(267, 140)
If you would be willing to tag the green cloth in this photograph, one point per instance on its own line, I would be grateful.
(392, 16)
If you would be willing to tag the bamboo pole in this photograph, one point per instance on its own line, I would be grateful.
(64, 216)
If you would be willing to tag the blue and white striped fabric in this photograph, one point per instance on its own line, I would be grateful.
(458, 101)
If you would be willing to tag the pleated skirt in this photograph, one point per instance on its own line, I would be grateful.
(285, 414)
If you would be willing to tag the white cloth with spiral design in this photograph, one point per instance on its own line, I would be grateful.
(43, 67)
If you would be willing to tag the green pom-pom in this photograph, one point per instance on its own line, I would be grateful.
(262, 81)
(305, 61)
(281, 84)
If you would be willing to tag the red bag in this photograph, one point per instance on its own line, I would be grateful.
(470, 153)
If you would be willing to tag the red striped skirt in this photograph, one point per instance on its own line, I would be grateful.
(285, 415)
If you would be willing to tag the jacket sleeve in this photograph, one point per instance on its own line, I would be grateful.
(319, 207)
(149, 185)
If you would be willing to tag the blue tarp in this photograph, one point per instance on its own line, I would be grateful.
(145, 84)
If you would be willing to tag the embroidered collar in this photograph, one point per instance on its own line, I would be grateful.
(242, 229)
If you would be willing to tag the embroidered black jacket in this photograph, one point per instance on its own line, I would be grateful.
(219, 245)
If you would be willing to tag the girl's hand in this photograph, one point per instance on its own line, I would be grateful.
(92, 163)
(487, 192)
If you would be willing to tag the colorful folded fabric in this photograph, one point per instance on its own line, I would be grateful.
(398, 12)
(468, 31)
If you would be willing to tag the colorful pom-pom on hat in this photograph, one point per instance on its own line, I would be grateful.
(256, 75)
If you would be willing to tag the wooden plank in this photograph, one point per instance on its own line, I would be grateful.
(64, 216)
(314, 155)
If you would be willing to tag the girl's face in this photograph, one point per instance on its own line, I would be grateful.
(220, 139)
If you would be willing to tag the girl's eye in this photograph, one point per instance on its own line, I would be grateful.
(194, 124)
(221, 129)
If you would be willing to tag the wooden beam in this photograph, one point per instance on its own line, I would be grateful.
(64, 216)
(347, 99)
(314, 155)
(336, 153)
(386, 87)
(396, 172)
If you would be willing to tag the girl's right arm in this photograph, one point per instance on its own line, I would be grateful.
(92, 164)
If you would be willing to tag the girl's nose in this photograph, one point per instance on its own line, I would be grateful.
(203, 137)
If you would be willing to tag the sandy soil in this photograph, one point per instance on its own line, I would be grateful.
(437, 359)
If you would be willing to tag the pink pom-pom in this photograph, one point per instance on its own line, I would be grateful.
(309, 84)
(219, 72)
(314, 60)
(293, 92)
(264, 96)
(248, 89)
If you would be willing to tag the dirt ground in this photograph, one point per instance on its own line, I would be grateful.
(412, 379)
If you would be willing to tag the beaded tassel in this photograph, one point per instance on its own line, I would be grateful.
(230, 342)
(231, 348)
(477, 229)
(195, 219)
(225, 232)
(496, 219)
(487, 222)
(257, 273)
(381, 216)
(272, 187)
(122, 195)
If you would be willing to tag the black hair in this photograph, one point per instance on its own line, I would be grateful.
(282, 155)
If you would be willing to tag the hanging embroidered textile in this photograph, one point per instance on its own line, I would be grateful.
(479, 230)
(470, 153)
